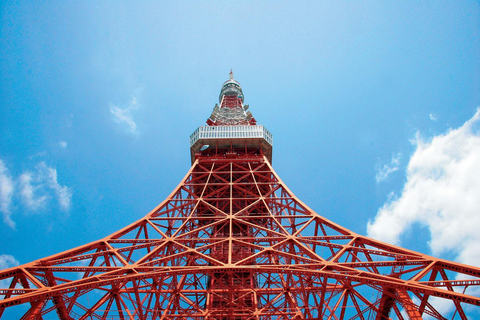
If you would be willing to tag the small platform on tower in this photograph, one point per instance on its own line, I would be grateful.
(231, 139)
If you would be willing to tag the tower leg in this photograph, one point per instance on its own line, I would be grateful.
(34, 313)
(408, 305)
(386, 303)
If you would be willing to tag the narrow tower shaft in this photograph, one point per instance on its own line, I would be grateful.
(231, 137)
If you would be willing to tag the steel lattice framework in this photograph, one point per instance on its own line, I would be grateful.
(233, 242)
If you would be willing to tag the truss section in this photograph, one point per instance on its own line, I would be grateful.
(233, 242)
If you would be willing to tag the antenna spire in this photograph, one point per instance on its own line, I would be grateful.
(231, 74)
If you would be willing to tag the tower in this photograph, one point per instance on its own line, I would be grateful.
(233, 242)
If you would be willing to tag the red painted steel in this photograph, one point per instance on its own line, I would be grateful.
(233, 242)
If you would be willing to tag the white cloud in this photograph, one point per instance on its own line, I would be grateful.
(34, 188)
(63, 144)
(384, 171)
(63, 193)
(6, 192)
(6, 261)
(433, 117)
(124, 116)
(31, 191)
(441, 193)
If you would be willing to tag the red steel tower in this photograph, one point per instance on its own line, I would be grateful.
(233, 242)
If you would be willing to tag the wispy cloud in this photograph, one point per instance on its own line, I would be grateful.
(6, 261)
(63, 144)
(6, 192)
(124, 116)
(34, 189)
(441, 193)
(384, 171)
(31, 191)
(62, 193)
(433, 117)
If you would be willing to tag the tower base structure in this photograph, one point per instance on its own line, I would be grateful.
(233, 242)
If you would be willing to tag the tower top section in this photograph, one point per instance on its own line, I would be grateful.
(231, 111)
(231, 129)
(231, 88)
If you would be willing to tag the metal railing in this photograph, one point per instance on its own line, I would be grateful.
(231, 132)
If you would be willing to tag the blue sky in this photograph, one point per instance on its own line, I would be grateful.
(372, 104)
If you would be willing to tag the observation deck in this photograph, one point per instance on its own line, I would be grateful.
(239, 137)
(231, 130)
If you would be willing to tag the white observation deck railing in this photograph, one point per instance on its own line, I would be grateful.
(231, 132)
